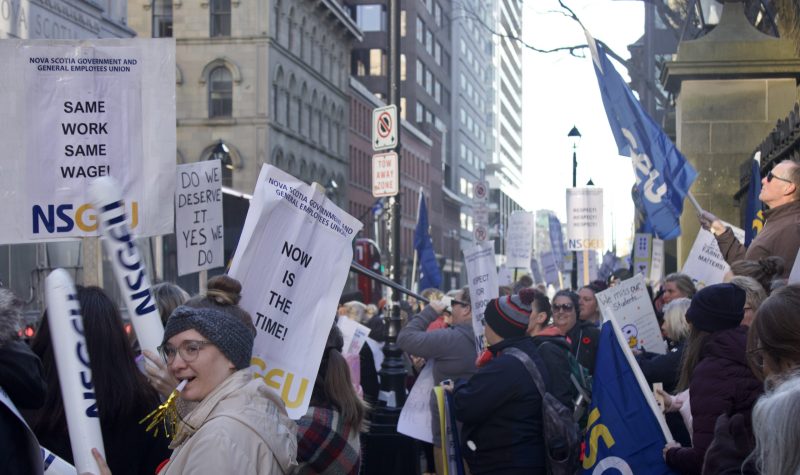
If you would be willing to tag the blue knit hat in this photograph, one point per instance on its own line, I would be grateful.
(228, 333)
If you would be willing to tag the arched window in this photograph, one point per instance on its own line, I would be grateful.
(276, 95)
(303, 39)
(302, 121)
(220, 17)
(277, 16)
(322, 126)
(220, 93)
(290, 29)
(313, 122)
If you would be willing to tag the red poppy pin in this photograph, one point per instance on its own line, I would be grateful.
(586, 340)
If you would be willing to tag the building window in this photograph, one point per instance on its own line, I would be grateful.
(437, 14)
(420, 31)
(403, 108)
(402, 23)
(162, 18)
(220, 17)
(371, 17)
(377, 62)
(420, 73)
(220, 93)
(402, 67)
(420, 112)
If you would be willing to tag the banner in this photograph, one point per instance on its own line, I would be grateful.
(663, 176)
(754, 209)
(482, 281)
(430, 274)
(77, 110)
(134, 285)
(292, 260)
(556, 239)
(415, 418)
(551, 270)
(626, 431)
(657, 261)
(630, 304)
(641, 253)
(519, 239)
(74, 372)
(705, 264)
(199, 230)
(537, 273)
(585, 218)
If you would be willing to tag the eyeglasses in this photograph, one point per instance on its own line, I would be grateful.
(188, 349)
(771, 175)
(567, 307)
(457, 302)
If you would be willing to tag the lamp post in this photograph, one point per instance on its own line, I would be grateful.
(222, 153)
(574, 137)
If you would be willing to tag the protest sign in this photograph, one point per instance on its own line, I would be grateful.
(292, 260)
(134, 285)
(198, 216)
(504, 275)
(705, 264)
(77, 110)
(482, 281)
(519, 239)
(641, 253)
(587, 267)
(794, 275)
(550, 268)
(657, 261)
(584, 218)
(354, 335)
(415, 418)
(537, 273)
(630, 304)
(74, 372)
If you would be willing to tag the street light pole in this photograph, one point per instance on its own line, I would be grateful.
(574, 135)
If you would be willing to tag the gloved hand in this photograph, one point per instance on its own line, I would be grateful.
(710, 222)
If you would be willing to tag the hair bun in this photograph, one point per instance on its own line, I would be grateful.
(772, 265)
(224, 290)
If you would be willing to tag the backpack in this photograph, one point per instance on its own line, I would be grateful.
(582, 381)
(561, 438)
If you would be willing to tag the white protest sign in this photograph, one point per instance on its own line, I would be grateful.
(584, 218)
(519, 239)
(657, 261)
(74, 373)
(77, 110)
(292, 260)
(705, 264)
(354, 335)
(198, 217)
(504, 275)
(629, 303)
(550, 268)
(415, 417)
(537, 273)
(482, 281)
(641, 253)
(794, 275)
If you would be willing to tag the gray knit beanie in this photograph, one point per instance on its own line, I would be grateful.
(233, 338)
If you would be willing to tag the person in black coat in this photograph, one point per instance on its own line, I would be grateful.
(582, 335)
(500, 406)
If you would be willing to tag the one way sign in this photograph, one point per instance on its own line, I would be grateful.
(384, 128)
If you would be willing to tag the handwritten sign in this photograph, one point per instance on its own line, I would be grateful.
(415, 418)
(482, 280)
(292, 260)
(198, 216)
(657, 261)
(705, 264)
(519, 240)
(629, 303)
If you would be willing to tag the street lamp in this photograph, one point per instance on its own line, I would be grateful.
(222, 153)
(574, 137)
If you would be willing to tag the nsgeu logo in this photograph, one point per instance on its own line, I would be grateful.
(63, 218)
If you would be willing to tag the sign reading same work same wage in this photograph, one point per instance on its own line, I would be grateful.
(198, 216)
(584, 218)
(73, 111)
(629, 304)
(292, 260)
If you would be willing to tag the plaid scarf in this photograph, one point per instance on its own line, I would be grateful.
(325, 445)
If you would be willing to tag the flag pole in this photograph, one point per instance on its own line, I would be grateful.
(414, 262)
(694, 202)
(637, 372)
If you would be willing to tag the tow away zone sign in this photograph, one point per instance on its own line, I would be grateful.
(385, 174)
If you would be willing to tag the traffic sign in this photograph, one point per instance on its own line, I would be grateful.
(480, 190)
(384, 128)
(480, 233)
(385, 174)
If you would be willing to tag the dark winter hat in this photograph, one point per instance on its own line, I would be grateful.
(717, 307)
(507, 316)
(233, 338)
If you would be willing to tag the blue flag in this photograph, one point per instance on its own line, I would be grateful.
(663, 176)
(557, 240)
(754, 212)
(430, 274)
(623, 432)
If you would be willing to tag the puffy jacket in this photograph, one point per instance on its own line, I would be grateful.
(240, 427)
(501, 410)
(721, 383)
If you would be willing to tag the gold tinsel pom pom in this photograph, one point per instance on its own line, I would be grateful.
(166, 415)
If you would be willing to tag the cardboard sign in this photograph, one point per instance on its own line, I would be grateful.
(482, 280)
(519, 240)
(77, 110)
(630, 305)
(584, 218)
(199, 230)
(705, 264)
(415, 418)
(292, 260)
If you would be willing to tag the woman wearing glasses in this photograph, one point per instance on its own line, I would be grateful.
(582, 334)
(238, 425)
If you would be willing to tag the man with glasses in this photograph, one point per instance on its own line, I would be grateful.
(780, 236)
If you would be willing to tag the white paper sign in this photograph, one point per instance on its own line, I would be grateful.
(504, 275)
(630, 304)
(482, 280)
(354, 335)
(550, 268)
(73, 111)
(519, 240)
(641, 253)
(657, 261)
(415, 417)
(198, 217)
(292, 260)
(705, 264)
(584, 218)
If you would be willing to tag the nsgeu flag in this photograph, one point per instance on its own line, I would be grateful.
(623, 432)
(663, 176)
(430, 275)
(754, 211)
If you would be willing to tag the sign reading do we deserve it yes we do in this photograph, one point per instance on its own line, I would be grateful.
(584, 218)
(198, 216)
(73, 111)
(292, 260)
